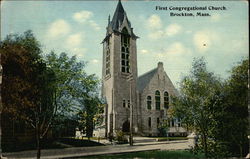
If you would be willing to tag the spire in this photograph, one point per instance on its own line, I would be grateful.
(118, 16)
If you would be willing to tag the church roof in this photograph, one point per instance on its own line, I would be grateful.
(144, 79)
(118, 17)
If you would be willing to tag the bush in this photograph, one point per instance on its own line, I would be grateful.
(120, 137)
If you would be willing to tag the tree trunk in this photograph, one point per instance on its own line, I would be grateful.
(38, 155)
(204, 138)
(241, 151)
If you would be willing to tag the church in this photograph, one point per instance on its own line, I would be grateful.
(143, 100)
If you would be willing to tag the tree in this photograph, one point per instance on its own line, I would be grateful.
(193, 105)
(216, 110)
(68, 71)
(88, 97)
(28, 84)
(230, 123)
(76, 92)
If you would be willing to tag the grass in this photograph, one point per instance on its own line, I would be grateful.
(170, 138)
(50, 144)
(153, 154)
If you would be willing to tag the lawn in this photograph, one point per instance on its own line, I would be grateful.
(170, 138)
(152, 154)
(51, 144)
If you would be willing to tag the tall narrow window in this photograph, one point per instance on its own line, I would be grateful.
(124, 103)
(149, 122)
(128, 103)
(166, 100)
(158, 122)
(125, 64)
(157, 100)
(107, 58)
(149, 102)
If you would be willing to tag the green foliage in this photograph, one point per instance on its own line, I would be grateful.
(192, 106)
(215, 110)
(76, 93)
(28, 84)
(42, 90)
(120, 137)
(163, 127)
(230, 123)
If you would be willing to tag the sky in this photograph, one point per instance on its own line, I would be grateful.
(78, 28)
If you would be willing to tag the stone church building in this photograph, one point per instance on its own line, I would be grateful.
(147, 98)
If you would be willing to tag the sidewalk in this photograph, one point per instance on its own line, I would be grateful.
(99, 150)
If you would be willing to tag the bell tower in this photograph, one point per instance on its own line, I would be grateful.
(119, 73)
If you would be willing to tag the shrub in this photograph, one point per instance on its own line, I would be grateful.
(120, 137)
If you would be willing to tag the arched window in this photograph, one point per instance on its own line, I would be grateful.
(149, 122)
(158, 122)
(157, 100)
(149, 102)
(166, 100)
(125, 64)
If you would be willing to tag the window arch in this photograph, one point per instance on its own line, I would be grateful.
(166, 100)
(125, 64)
(157, 100)
(149, 102)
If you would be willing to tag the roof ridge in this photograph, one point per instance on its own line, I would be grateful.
(147, 72)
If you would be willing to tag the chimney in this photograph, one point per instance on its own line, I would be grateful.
(160, 65)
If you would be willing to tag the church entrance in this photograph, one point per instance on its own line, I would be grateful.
(125, 126)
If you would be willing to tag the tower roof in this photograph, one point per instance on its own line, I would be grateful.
(118, 16)
(118, 19)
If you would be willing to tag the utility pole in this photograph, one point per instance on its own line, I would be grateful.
(130, 78)
(1, 70)
(248, 155)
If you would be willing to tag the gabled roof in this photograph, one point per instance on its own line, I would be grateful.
(144, 79)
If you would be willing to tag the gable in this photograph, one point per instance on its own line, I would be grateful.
(144, 79)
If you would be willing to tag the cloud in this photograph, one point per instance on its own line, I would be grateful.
(82, 16)
(170, 30)
(143, 51)
(176, 49)
(78, 51)
(154, 22)
(215, 17)
(85, 17)
(157, 34)
(94, 25)
(74, 44)
(58, 28)
(74, 40)
(203, 40)
(173, 29)
(95, 61)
